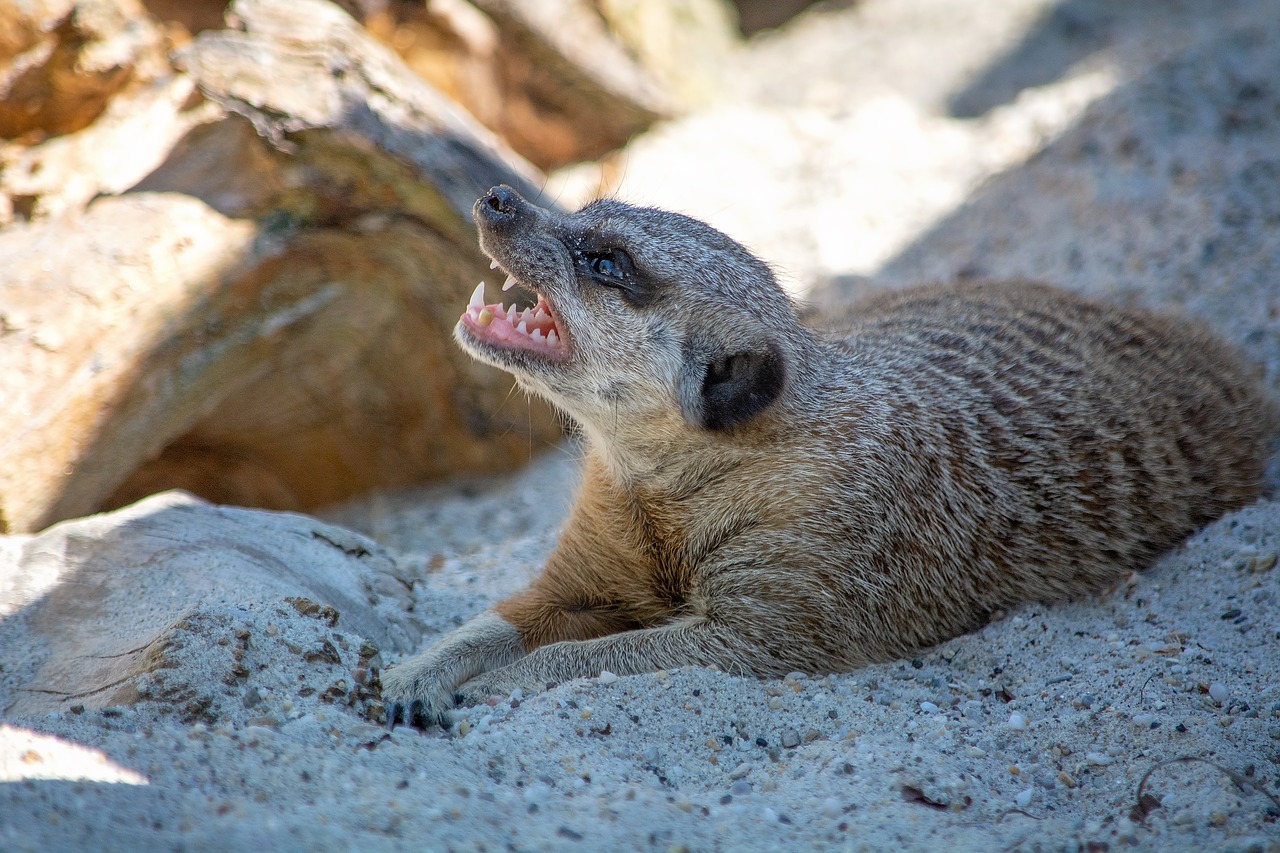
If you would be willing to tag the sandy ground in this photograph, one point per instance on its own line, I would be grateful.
(1124, 151)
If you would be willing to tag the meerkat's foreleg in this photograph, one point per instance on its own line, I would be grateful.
(689, 641)
(560, 606)
(419, 691)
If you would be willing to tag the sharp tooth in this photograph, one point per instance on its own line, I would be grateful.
(537, 335)
(551, 337)
(523, 327)
(541, 314)
(493, 265)
(526, 315)
(511, 314)
(509, 283)
(484, 318)
(477, 297)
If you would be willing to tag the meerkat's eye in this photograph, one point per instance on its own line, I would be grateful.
(604, 265)
(609, 266)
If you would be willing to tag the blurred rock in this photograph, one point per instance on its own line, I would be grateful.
(266, 316)
(564, 80)
(757, 15)
(61, 61)
(560, 80)
(683, 44)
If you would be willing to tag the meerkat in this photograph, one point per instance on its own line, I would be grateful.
(763, 497)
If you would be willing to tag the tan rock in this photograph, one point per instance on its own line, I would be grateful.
(549, 76)
(685, 45)
(60, 62)
(266, 318)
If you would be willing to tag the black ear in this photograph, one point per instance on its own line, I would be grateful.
(738, 386)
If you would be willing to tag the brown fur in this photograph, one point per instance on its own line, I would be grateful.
(865, 491)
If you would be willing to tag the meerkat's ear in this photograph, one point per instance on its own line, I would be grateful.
(729, 388)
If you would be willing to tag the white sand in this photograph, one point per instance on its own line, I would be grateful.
(1034, 733)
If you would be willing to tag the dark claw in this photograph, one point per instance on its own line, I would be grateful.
(414, 715)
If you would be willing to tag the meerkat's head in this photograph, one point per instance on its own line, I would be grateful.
(644, 318)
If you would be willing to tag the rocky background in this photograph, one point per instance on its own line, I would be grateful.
(233, 242)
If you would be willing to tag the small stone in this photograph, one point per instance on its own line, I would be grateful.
(1218, 692)
(1023, 799)
(1145, 721)
(1017, 720)
(831, 807)
(742, 786)
(1066, 778)
(741, 770)
(607, 677)
(928, 707)
(1264, 562)
(1098, 759)
(790, 739)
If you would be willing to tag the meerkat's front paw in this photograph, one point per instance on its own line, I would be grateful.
(499, 682)
(478, 691)
(416, 694)
(419, 692)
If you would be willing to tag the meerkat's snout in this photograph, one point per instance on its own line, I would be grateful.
(501, 333)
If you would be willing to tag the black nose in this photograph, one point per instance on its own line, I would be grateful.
(501, 201)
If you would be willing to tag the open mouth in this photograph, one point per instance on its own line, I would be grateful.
(534, 330)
